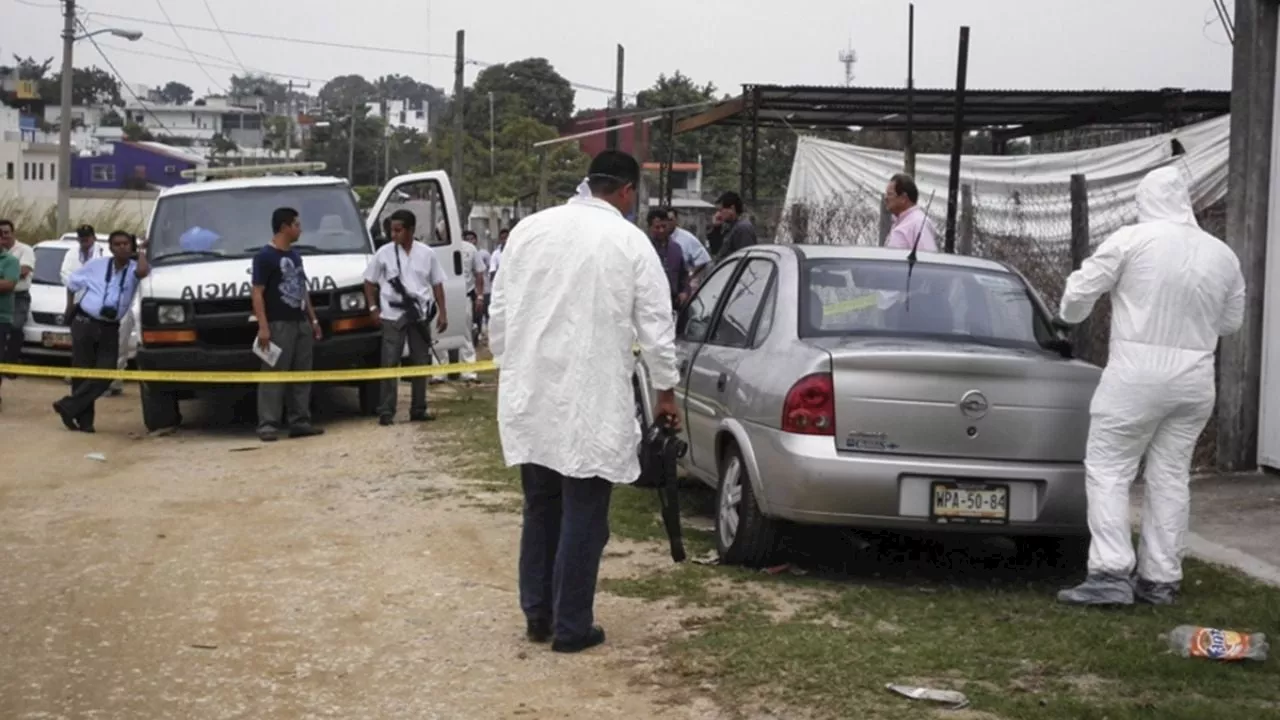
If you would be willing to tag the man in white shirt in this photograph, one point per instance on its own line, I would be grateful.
(476, 269)
(579, 286)
(696, 257)
(495, 259)
(72, 261)
(482, 295)
(12, 351)
(404, 288)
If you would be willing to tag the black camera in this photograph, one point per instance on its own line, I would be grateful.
(109, 313)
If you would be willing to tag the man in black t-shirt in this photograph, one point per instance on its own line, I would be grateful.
(286, 319)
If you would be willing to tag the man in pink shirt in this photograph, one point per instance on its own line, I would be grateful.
(910, 222)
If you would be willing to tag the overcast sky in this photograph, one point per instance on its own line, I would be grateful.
(1095, 44)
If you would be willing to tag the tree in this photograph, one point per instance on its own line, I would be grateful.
(530, 87)
(718, 146)
(340, 93)
(111, 118)
(134, 132)
(176, 93)
(223, 145)
(89, 86)
(273, 93)
(403, 87)
(29, 68)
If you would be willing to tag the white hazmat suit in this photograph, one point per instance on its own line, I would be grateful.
(1175, 290)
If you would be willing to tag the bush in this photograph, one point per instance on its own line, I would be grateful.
(36, 221)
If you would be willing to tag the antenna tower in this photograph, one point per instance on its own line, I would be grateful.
(848, 58)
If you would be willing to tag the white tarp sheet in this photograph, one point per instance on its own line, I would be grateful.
(1022, 195)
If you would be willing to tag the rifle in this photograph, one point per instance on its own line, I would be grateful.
(660, 449)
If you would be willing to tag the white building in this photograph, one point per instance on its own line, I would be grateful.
(403, 114)
(28, 159)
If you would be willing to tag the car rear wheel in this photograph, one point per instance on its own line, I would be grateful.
(159, 409)
(744, 536)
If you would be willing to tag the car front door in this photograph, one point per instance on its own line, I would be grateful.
(698, 377)
(713, 378)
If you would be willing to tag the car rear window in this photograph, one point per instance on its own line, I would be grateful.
(872, 297)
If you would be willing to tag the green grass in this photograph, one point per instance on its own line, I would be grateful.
(829, 641)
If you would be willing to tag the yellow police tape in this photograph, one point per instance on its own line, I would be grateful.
(270, 376)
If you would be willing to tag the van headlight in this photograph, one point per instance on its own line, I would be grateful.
(352, 301)
(171, 314)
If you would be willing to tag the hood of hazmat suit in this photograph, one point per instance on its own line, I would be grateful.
(1174, 291)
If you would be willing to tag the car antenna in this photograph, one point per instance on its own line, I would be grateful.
(911, 257)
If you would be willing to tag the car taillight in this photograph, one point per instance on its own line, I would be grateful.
(810, 408)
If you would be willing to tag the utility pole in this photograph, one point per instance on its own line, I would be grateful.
(491, 136)
(386, 139)
(617, 102)
(459, 78)
(351, 147)
(64, 126)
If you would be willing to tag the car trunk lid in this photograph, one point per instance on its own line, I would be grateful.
(964, 400)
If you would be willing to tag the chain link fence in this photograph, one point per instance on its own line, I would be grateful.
(1030, 230)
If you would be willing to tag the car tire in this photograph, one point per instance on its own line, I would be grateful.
(744, 536)
(370, 395)
(1061, 553)
(159, 409)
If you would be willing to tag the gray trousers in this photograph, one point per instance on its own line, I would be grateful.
(296, 342)
(94, 344)
(11, 348)
(394, 334)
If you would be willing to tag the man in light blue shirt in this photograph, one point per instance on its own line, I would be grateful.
(696, 257)
(106, 287)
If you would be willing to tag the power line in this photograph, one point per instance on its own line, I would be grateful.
(178, 35)
(120, 79)
(217, 65)
(226, 40)
(342, 46)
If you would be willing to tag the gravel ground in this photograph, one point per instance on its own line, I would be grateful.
(205, 575)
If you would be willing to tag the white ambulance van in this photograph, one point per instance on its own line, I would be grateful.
(196, 310)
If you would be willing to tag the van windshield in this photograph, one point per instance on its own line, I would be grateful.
(237, 223)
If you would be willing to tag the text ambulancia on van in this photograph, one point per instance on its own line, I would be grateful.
(196, 306)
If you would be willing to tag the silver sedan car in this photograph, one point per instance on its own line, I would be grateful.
(837, 385)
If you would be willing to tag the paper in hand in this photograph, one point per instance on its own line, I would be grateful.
(270, 356)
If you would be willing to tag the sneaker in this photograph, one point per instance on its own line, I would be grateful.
(1099, 590)
(421, 417)
(593, 638)
(304, 431)
(1155, 593)
(386, 420)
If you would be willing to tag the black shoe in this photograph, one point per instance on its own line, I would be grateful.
(304, 431)
(268, 435)
(421, 417)
(67, 420)
(87, 428)
(386, 420)
(538, 631)
(592, 639)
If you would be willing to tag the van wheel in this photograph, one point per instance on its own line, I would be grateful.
(370, 394)
(744, 536)
(159, 409)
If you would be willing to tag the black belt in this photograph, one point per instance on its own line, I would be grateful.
(22, 293)
(100, 321)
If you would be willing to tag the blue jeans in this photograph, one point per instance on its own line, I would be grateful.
(566, 526)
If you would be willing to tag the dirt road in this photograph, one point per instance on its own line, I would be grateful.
(206, 575)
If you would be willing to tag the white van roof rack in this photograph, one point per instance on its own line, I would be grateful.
(241, 171)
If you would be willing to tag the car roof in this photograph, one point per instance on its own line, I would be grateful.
(861, 252)
(269, 181)
(65, 243)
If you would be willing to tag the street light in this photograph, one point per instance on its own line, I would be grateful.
(130, 35)
(69, 38)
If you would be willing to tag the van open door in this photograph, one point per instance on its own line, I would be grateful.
(429, 196)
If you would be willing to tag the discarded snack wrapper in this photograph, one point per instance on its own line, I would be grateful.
(957, 700)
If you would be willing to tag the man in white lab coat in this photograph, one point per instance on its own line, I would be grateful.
(579, 286)
(1175, 290)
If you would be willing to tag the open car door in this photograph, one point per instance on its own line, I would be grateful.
(429, 196)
